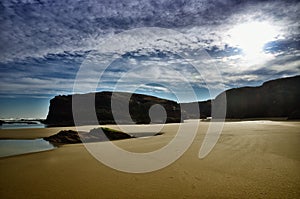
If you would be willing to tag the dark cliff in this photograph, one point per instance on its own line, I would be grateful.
(275, 98)
(60, 110)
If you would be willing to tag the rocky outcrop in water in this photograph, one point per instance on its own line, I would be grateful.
(95, 135)
(64, 137)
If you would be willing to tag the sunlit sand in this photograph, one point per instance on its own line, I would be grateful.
(255, 159)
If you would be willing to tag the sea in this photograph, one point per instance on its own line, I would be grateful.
(19, 146)
(20, 124)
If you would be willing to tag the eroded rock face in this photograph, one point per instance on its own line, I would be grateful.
(60, 110)
(95, 135)
(276, 98)
(64, 137)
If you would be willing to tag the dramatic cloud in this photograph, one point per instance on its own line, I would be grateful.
(44, 43)
(37, 28)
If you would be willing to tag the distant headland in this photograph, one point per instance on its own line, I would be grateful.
(273, 99)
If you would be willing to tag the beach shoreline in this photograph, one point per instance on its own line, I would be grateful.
(258, 159)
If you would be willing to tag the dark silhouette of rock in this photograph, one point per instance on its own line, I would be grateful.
(64, 137)
(275, 98)
(95, 135)
(189, 111)
(60, 110)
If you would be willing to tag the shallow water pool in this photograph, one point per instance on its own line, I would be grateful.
(18, 147)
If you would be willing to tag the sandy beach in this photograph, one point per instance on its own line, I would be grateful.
(254, 159)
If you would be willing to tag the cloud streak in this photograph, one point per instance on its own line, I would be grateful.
(38, 28)
(45, 42)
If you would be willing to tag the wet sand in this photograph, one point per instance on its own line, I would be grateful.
(255, 159)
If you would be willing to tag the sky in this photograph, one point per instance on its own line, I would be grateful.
(160, 48)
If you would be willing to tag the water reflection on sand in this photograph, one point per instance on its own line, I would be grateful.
(17, 147)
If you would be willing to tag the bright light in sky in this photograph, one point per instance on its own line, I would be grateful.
(251, 37)
(44, 44)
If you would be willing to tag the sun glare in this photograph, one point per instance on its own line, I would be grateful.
(251, 37)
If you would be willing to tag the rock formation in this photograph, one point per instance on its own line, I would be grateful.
(95, 135)
(275, 98)
(60, 110)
